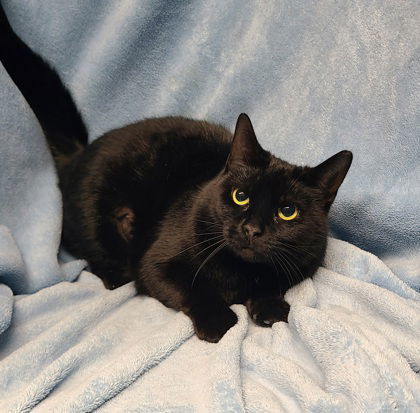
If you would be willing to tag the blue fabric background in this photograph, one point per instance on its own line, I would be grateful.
(315, 77)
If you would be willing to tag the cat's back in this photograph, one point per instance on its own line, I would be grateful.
(177, 138)
(156, 133)
(171, 147)
(145, 166)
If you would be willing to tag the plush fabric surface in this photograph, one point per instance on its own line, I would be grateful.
(315, 77)
(351, 345)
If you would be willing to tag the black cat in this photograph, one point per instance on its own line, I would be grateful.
(198, 218)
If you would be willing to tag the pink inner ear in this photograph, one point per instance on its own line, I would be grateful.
(123, 219)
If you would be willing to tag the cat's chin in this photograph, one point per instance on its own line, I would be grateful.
(247, 254)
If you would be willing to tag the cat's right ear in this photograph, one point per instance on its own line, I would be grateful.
(245, 150)
(329, 175)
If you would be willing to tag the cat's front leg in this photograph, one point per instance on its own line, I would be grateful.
(207, 310)
(211, 317)
(265, 311)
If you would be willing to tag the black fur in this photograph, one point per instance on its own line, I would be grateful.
(44, 91)
(152, 202)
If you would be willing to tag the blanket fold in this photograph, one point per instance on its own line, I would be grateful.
(350, 345)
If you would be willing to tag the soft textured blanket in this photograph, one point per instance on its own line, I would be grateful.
(315, 77)
(351, 345)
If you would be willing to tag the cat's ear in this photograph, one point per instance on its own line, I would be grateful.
(329, 175)
(245, 150)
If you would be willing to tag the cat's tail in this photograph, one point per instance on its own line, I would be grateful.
(45, 93)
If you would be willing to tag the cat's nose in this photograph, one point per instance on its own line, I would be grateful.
(251, 231)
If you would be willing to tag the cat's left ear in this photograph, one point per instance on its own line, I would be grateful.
(329, 175)
(245, 150)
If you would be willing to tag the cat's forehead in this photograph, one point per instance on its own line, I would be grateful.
(277, 177)
(278, 181)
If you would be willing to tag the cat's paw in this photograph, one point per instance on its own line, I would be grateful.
(211, 325)
(267, 311)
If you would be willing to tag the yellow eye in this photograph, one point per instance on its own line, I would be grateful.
(240, 197)
(288, 212)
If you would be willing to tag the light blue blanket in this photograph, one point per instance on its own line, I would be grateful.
(315, 77)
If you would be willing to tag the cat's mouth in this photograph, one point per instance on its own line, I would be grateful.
(252, 251)
(245, 251)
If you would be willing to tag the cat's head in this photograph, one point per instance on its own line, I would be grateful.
(270, 209)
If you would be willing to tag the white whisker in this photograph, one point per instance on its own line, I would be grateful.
(198, 243)
(212, 254)
(217, 242)
(285, 269)
(208, 222)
